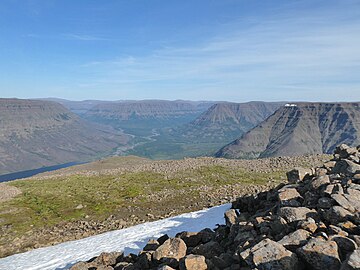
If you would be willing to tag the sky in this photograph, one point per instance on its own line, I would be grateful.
(234, 50)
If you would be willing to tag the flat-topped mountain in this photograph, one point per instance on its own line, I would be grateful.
(143, 109)
(141, 118)
(298, 129)
(78, 107)
(37, 133)
(225, 121)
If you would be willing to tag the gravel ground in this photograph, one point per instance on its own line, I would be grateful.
(8, 192)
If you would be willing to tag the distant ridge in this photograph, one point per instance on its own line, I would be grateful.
(37, 133)
(226, 121)
(307, 128)
(144, 109)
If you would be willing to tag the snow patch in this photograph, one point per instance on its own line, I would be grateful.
(129, 240)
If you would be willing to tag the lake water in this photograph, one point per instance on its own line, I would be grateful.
(24, 174)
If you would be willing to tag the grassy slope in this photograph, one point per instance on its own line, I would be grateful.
(51, 201)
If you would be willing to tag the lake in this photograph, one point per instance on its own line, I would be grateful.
(24, 174)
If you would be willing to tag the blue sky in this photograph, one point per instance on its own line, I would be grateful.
(235, 50)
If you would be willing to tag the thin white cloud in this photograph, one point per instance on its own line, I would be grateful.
(81, 37)
(317, 50)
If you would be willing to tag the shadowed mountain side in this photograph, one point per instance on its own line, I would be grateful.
(308, 128)
(34, 134)
(226, 121)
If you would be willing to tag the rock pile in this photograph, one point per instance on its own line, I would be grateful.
(312, 222)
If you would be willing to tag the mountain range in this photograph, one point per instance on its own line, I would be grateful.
(36, 133)
(225, 121)
(299, 129)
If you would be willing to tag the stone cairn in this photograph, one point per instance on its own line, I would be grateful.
(312, 222)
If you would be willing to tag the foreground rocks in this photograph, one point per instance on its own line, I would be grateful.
(313, 222)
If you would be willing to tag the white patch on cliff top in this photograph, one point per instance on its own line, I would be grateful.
(129, 240)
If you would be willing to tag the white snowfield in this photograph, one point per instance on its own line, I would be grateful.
(129, 240)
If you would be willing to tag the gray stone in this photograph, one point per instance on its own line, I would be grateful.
(268, 254)
(289, 197)
(353, 262)
(320, 254)
(345, 245)
(295, 240)
(298, 174)
(337, 214)
(319, 182)
(343, 202)
(230, 217)
(172, 248)
(295, 214)
(193, 262)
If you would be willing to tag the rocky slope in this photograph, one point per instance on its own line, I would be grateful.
(224, 122)
(34, 134)
(307, 128)
(313, 222)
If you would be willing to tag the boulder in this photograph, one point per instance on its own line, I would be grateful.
(337, 214)
(172, 248)
(345, 245)
(308, 225)
(295, 240)
(108, 259)
(193, 262)
(295, 214)
(268, 254)
(151, 245)
(298, 174)
(79, 266)
(320, 254)
(209, 250)
(352, 262)
(289, 197)
(320, 182)
(191, 239)
(343, 202)
(230, 217)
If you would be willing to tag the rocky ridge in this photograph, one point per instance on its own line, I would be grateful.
(312, 222)
(226, 121)
(299, 129)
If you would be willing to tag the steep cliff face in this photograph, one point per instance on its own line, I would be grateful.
(308, 128)
(42, 133)
(226, 121)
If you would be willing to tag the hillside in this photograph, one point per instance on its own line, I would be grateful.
(308, 128)
(203, 135)
(118, 192)
(34, 134)
(141, 117)
(224, 122)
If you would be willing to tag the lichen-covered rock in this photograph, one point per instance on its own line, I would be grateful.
(320, 254)
(289, 197)
(193, 262)
(295, 240)
(270, 255)
(295, 214)
(172, 248)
